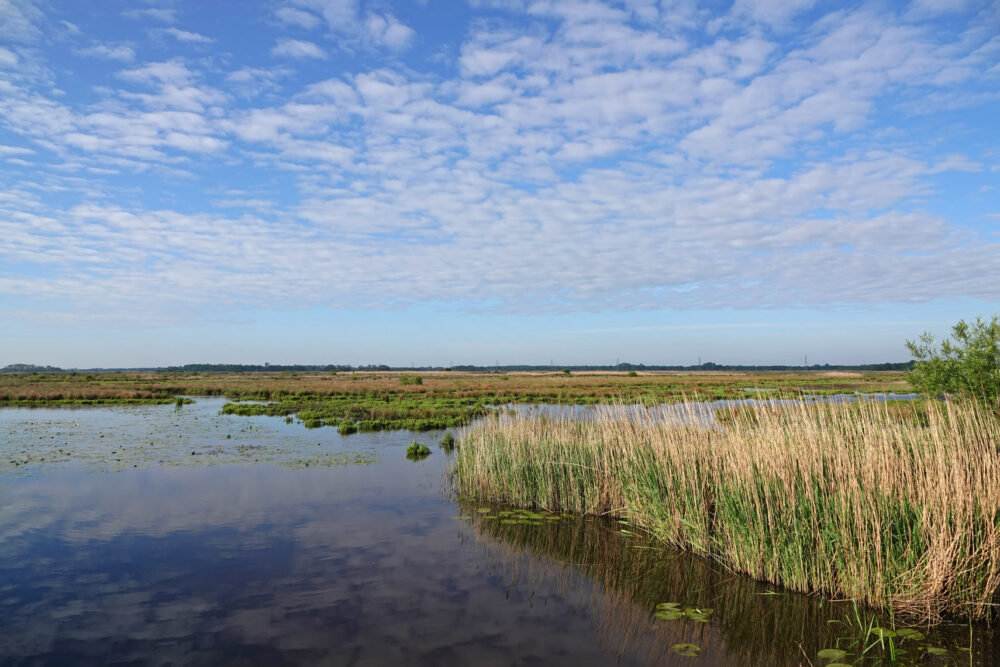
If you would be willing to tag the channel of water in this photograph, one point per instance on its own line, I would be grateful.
(162, 535)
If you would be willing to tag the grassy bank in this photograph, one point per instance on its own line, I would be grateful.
(378, 401)
(848, 500)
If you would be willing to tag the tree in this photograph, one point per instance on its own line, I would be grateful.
(967, 365)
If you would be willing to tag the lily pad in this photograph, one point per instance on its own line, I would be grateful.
(687, 650)
(883, 633)
(937, 650)
(669, 615)
(910, 633)
(832, 654)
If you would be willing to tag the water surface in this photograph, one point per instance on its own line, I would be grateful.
(155, 535)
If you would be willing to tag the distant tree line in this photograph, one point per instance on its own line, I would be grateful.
(707, 366)
(336, 368)
(30, 368)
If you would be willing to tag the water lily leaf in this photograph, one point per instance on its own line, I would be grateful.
(884, 633)
(698, 610)
(484, 510)
(910, 633)
(687, 650)
(668, 605)
(832, 654)
(669, 615)
(937, 650)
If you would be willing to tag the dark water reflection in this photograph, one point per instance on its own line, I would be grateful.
(247, 563)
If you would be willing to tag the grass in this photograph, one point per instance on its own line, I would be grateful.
(430, 401)
(848, 500)
(417, 451)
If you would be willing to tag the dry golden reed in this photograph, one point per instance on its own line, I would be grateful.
(895, 508)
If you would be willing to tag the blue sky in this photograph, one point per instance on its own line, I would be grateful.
(522, 181)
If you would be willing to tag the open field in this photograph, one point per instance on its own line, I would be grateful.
(847, 500)
(428, 400)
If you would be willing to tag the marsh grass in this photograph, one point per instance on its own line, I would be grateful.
(849, 500)
(365, 402)
(417, 451)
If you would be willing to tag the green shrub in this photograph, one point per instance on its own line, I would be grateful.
(967, 365)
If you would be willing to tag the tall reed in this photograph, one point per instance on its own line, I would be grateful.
(853, 500)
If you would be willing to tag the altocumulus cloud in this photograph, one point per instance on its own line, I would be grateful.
(506, 156)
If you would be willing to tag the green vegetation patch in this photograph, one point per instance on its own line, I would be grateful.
(369, 412)
(417, 451)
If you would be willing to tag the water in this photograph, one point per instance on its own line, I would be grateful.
(280, 545)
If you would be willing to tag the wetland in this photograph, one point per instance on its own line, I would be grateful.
(152, 532)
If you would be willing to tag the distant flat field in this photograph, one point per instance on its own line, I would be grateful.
(521, 387)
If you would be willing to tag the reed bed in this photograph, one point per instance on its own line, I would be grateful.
(848, 500)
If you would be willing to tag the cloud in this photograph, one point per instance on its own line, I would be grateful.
(117, 52)
(158, 14)
(18, 21)
(14, 150)
(387, 30)
(297, 48)
(185, 36)
(8, 58)
(774, 13)
(345, 19)
(297, 17)
(584, 156)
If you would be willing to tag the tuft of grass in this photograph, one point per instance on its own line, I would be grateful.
(417, 451)
(447, 443)
(896, 511)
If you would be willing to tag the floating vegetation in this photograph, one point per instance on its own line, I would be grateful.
(417, 451)
(366, 414)
(143, 437)
(671, 611)
(513, 516)
(447, 443)
(863, 639)
(687, 650)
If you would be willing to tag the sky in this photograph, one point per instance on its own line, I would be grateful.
(441, 182)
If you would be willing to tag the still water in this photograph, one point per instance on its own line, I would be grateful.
(165, 536)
